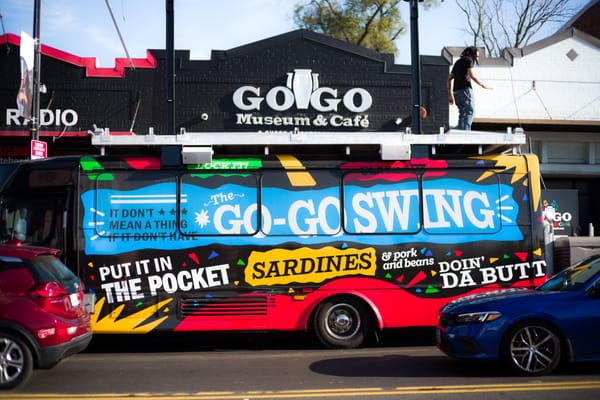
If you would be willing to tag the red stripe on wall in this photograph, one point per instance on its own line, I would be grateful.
(89, 63)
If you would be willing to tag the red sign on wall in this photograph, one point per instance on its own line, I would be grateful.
(39, 149)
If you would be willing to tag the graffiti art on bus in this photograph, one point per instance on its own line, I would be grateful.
(223, 235)
(121, 221)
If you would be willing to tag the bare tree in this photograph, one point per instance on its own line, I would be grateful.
(497, 24)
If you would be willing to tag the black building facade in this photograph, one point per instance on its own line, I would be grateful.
(299, 80)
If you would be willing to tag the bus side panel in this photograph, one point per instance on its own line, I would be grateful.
(254, 248)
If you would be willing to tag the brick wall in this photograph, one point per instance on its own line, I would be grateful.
(204, 88)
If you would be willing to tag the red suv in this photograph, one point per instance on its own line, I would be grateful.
(42, 314)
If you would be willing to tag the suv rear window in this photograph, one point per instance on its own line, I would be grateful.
(44, 268)
(47, 268)
(10, 262)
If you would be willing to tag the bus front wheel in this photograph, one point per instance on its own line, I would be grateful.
(342, 322)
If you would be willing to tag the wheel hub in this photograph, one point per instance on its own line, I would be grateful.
(341, 323)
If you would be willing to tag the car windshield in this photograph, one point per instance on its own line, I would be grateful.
(573, 277)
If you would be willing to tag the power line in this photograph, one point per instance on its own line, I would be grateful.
(112, 16)
(4, 33)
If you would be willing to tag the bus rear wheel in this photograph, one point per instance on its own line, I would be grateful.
(342, 322)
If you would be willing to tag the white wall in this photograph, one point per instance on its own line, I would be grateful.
(543, 84)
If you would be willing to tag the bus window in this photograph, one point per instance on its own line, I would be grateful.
(6, 171)
(31, 221)
(132, 205)
(381, 202)
(455, 202)
(218, 204)
(306, 204)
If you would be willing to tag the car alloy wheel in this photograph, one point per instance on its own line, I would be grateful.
(532, 348)
(15, 361)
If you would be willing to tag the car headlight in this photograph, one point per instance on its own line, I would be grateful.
(483, 316)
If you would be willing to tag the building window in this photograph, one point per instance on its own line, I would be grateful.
(567, 152)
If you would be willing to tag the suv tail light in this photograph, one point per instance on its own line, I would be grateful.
(54, 298)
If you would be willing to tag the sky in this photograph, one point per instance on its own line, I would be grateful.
(85, 27)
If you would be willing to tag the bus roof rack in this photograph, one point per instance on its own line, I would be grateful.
(197, 147)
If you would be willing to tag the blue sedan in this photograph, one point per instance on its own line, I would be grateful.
(530, 331)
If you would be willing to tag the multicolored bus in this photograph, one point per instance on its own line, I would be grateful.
(340, 245)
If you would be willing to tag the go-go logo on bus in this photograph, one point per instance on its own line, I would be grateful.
(302, 89)
(282, 267)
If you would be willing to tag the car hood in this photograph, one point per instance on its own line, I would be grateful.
(515, 294)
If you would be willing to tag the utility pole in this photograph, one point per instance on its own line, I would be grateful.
(418, 151)
(170, 67)
(35, 109)
(416, 66)
(170, 155)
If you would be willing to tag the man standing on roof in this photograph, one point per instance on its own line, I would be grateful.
(462, 93)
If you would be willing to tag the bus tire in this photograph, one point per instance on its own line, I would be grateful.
(342, 322)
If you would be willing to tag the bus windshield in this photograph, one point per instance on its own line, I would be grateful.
(28, 220)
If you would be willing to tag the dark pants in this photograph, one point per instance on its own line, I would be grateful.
(464, 101)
